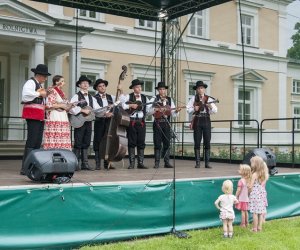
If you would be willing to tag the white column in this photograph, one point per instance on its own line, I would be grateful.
(72, 65)
(52, 68)
(15, 124)
(39, 52)
(282, 34)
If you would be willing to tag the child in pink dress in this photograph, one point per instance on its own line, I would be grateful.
(242, 193)
(258, 195)
(225, 204)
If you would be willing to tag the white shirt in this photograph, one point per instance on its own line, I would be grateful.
(76, 110)
(190, 106)
(135, 114)
(105, 101)
(28, 92)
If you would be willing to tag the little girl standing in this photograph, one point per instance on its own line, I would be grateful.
(242, 193)
(225, 204)
(258, 195)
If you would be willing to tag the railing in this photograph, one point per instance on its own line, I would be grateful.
(230, 141)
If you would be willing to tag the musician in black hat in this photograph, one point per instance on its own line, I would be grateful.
(162, 109)
(33, 98)
(101, 124)
(82, 135)
(135, 104)
(202, 107)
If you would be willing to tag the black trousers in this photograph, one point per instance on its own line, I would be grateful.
(83, 136)
(202, 128)
(100, 129)
(161, 135)
(35, 130)
(136, 134)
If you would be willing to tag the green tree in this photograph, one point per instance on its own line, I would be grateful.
(294, 51)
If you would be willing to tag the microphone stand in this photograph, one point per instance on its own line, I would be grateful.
(179, 234)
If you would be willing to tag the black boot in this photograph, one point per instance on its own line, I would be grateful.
(167, 159)
(197, 157)
(131, 156)
(207, 157)
(76, 152)
(84, 158)
(26, 153)
(97, 160)
(141, 159)
(157, 158)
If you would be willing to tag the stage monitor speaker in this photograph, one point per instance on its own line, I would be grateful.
(266, 154)
(54, 165)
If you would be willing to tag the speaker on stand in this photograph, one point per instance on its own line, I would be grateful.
(267, 155)
(54, 165)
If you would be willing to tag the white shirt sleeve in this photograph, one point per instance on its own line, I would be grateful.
(151, 106)
(190, 105)
(214, 108)
(28, 92)
(173, 108)
(75, 110)
(124, 100)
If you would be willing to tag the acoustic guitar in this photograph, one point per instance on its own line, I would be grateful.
(78, 120)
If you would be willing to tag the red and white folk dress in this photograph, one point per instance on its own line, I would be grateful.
(57, 133)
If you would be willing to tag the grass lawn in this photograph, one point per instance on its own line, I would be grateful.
(277, 234)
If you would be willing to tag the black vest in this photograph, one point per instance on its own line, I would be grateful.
(37, 100)
(144, 101)
(99, 99)
(81, 97)
(157, 99)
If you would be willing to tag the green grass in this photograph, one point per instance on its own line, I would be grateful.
(277, 234)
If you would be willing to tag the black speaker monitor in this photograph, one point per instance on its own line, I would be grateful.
(266, 154)
(54, 165)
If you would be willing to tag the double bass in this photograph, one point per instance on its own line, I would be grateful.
(113, 147)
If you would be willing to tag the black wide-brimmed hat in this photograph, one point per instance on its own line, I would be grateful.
(41, 69)
(83, 79)
(98, 81)
(136, 82)
(199, 84)
(161, 85)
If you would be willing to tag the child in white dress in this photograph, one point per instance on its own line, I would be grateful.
(225, 204)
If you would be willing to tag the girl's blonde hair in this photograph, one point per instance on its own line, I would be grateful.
(259, 167)
(245, 172)
(227, 187)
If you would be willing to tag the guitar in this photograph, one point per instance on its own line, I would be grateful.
(166, 110)
(78, 120)
(139, 108)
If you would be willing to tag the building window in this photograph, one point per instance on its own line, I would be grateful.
(297, 115)
(87, 14)
(247, 110)
(197, 24)
(146, 24)
(296, 86)
(248, 29)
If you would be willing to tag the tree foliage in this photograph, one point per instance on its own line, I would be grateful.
(294, 51)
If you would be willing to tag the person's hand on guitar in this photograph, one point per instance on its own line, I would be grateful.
(85, 111)
(108, 114)
(133, 106)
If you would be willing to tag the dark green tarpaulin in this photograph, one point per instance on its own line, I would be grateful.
(53, 216)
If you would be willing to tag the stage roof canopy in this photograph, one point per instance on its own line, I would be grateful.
(140, 9)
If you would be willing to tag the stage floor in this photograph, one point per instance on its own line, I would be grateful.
(9, 172)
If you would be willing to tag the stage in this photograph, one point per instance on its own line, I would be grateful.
(103, 206)
(9, 172)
